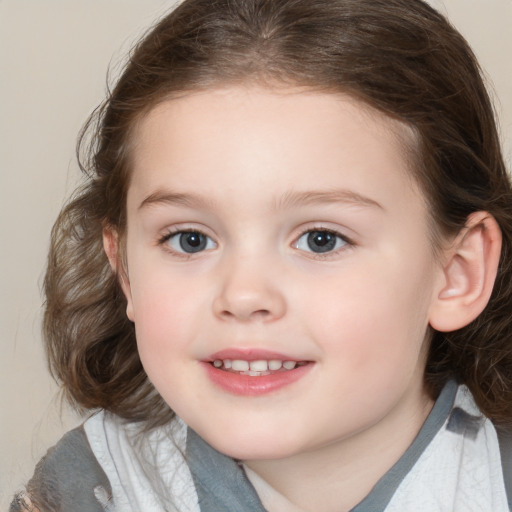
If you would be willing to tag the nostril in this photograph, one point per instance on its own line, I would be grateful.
(260, 313)
(247, 315)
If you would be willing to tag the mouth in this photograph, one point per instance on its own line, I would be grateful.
(256, 368)
(254, 372)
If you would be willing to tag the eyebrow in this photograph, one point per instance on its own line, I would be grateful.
(287, 200)
(314, 197)
(174, 198)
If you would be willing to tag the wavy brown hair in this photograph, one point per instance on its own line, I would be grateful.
(398, 56)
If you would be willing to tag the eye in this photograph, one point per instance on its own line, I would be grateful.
(320, 241)
(189, 242)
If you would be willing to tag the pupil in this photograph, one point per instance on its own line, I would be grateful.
(321, 241)
(192, 242)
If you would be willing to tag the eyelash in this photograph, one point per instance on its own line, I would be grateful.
(346, 242)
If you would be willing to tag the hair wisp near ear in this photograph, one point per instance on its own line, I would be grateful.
(469, 274)
(111, 245)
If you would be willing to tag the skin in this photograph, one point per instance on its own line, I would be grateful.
(243, 166)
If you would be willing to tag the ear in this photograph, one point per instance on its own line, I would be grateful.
(111, 246)
(469, 272)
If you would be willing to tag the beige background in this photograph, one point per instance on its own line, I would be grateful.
(53, 59)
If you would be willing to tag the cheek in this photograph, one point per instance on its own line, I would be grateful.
(163, 331)
(164, 315)
(375, 318)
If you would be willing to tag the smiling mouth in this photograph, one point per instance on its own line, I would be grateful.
(257, 368)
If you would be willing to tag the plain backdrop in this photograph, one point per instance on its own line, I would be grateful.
(54, 55)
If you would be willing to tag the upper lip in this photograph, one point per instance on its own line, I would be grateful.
(251, 354)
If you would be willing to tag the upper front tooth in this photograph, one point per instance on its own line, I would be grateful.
(275, 364)
(258, 366)
(289, 365)
(227, 364)
(240, 366)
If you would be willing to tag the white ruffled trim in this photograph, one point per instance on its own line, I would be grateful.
(456, 473)
(146, 473)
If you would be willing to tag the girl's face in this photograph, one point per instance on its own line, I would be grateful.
(279, 269)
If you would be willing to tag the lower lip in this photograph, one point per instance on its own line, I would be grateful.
(246, 385)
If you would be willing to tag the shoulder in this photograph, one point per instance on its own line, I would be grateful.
(68, 477)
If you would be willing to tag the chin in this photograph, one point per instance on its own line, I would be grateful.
(252, 447)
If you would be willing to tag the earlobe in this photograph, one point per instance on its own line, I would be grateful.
(469, 272)
(111, 246)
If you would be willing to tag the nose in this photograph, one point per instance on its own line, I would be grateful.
(248, 291)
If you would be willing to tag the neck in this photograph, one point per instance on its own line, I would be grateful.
(337, 476)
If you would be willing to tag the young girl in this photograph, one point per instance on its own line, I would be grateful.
(286, 284)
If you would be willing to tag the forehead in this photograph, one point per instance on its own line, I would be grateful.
(239, 140)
